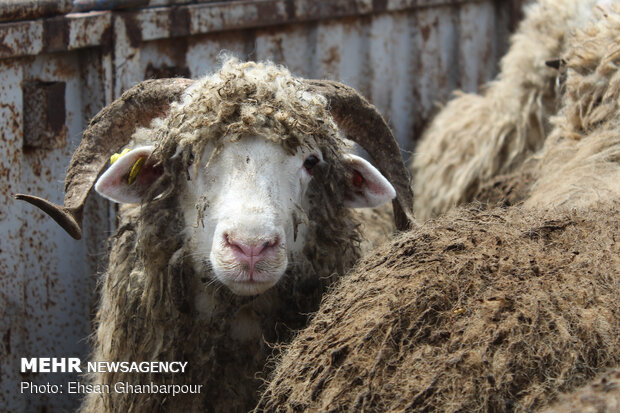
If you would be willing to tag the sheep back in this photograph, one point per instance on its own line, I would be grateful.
(479, 310)
(476, 137)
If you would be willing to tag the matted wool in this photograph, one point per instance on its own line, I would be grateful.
(494, 310)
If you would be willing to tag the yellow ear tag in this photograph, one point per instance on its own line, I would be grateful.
(135, 170)
(115, 157)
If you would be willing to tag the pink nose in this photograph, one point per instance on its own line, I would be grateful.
(251, 252)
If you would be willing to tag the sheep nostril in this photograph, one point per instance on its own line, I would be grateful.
(250, 248)
(232, 244)
(271, 243)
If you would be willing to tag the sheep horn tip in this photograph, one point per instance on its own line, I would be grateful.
(70, 219)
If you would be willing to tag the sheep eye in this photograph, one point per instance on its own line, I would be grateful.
(310, 162)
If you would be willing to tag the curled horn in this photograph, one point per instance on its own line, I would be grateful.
(107, 133)
(364, 124)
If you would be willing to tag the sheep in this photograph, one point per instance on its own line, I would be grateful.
(579, 164)
(475, 137)
(479, 310)
(602, 395)
(237, 191)
(486, 308)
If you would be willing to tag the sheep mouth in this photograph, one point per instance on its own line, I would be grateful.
(245, 279)
(250, 286)
(241, 281)
(237, 278)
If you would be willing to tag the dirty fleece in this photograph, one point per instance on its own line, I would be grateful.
(147, 311)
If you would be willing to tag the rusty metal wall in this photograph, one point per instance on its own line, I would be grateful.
(57, 72)
(46, 278)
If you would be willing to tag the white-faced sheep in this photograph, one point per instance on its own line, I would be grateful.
(477, 137)
(478, 310)
(241, 219)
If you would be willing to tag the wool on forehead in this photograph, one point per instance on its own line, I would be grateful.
(246, 99)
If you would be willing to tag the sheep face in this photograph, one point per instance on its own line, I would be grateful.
(240, 212)
(246, 204)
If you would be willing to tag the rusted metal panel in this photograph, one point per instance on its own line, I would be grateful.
(405, 63)
(158, 23)
(16, 10)
(89, 5)
(155, 3)
(436, 66)
(478, 57)
(44, 115)
(293, 45)
(126, 65)
(47, 280)
(13, 330)
(90, 29)
(385, 37)
(203, 52)
(13, 10)
(406, 59)
(78, 30)
(96, 81)
(57, 270)
(21, 39)
(70, 32)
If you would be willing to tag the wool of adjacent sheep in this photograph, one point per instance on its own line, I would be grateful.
(376, 225)
(509, 189)
(147, 292)
(580, 162)
(480, 311)
(477, 137)
(602, 395)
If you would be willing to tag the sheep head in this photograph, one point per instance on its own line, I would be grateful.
(248, 164)
(245, 203)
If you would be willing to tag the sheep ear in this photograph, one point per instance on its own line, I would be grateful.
(129, 177)
(365, 186)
